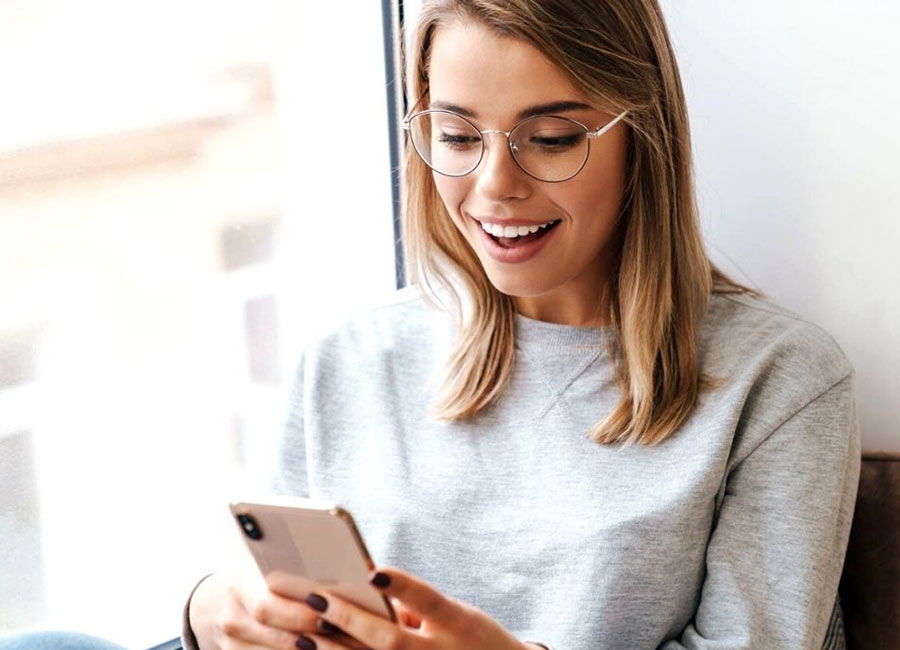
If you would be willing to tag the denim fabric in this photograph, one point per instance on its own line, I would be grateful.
(55, 641)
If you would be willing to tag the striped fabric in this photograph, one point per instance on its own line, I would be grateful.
(834, 637)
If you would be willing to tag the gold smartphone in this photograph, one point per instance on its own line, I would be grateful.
(316, 541)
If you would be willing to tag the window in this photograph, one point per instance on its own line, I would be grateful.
(176, 221)
(23, 600)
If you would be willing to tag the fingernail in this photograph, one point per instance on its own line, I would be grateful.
(380, 580)
(305, 643)
(317, 602)
(328, 628)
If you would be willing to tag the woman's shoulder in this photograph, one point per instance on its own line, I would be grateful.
(761, 341)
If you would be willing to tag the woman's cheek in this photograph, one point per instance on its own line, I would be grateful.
(452, 198)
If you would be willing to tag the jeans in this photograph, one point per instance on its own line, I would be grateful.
(54, 641)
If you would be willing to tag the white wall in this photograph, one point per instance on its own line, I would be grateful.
(794, 110)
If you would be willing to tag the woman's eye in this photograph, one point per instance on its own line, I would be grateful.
(557, 142)
(457, 141)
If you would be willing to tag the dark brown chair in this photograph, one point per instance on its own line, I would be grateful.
(870, 584)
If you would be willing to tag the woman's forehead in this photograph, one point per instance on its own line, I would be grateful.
(476, 69)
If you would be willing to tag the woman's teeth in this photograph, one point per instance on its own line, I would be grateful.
(497, 230)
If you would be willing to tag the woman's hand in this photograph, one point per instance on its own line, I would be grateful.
(429, 620)
(236, 611)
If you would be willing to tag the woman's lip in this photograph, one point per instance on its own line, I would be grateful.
(517, 254)
(512, 222)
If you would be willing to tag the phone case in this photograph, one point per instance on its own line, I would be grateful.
(313, 540)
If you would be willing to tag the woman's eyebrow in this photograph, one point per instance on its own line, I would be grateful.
(531, 111)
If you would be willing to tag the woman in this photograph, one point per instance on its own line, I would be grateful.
(622, 448)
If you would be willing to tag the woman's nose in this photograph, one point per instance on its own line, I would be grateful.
(498, 175)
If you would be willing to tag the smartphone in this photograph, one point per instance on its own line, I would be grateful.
(315, 541)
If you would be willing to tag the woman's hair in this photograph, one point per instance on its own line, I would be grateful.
(618, 53)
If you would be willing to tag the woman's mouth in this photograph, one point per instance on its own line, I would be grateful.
(513, 236)
(510, 244)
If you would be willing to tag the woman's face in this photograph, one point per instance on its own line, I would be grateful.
(559, 276)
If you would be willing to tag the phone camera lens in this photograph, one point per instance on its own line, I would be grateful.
(249, 526)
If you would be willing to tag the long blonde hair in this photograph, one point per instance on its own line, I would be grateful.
(618, 54)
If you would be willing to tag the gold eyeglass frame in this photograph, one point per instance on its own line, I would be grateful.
(512, 148)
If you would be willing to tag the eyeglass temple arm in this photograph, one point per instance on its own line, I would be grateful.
(604, 129)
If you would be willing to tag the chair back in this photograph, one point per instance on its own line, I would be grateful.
(870, 583)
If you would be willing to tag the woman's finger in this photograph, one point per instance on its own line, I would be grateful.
(287, 614)
(238, 628)
(236, 644)
(341, 642)
(364, 626)
(405, 614)
(420, 597)
(251, 632)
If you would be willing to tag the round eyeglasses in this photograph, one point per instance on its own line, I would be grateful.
(548, 148)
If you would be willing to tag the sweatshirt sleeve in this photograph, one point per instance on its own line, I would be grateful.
(188, 640)
(775, 555)
(289, 475)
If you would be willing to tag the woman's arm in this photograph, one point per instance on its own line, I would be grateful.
(774, 559)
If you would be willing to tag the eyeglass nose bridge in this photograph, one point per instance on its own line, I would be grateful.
(512, 145)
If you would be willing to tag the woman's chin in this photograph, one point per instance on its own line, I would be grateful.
(516, 287)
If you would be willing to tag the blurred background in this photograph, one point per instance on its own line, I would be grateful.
(188, 190)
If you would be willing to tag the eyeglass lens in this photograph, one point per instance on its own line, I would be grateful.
(547, 148)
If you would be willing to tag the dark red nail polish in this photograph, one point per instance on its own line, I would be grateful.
(317, 602)
(305, 643)
(380, 580)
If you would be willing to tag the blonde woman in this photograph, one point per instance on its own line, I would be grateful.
(571, 427)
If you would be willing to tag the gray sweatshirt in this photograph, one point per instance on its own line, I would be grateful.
(731, 534)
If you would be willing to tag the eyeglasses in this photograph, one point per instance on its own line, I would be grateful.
(548, 148)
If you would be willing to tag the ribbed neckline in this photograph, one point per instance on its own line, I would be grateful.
(531, 332)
